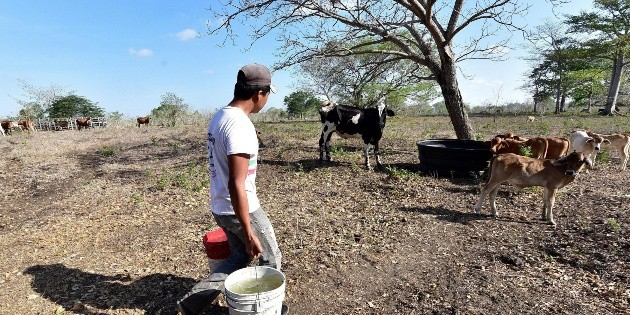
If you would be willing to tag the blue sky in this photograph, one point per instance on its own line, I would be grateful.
(125, 54)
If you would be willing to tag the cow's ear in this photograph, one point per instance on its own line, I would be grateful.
(390, 113)
(561, 160)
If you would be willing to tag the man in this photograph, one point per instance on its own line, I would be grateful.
(232, 153)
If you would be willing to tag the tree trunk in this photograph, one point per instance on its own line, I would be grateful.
(563, 102)
(558, 95)
(615, 82)
(454, 103)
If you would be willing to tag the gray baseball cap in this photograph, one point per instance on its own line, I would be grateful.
(255, 75)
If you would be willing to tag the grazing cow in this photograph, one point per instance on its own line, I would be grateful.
(556, 147)
(515, 145)
(501, 145)
(521, 172)
(620, 143)
(84, 123)
(353, 122)
(586, 143)
(26, 124)
(143, 121)
(531, 118)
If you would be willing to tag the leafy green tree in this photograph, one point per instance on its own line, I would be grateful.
(172, 107)
(301, 103)
(74, 106)
(32, 110)
(606, 34)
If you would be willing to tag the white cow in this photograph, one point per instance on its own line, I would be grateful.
(586, 143)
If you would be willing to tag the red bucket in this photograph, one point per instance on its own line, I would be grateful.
(216, 244)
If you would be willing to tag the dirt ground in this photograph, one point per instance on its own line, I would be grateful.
(109, 221)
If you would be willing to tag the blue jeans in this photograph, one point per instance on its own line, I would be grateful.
(208, 289)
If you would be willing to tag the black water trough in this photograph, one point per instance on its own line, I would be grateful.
(453, 157)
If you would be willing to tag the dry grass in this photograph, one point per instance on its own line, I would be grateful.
(109, 221)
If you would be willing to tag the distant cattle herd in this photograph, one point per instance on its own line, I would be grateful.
(8, 126)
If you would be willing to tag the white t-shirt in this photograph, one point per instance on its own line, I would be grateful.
(231, 132)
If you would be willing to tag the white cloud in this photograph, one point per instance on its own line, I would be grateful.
(144, 52)
(187, 34)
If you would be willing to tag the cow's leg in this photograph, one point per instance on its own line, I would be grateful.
(485, 191)
(377, 156)
(593, 157)
(327, 146)
(625, 154)
(493, 200)
(549, 197)
(366, 154)
(322, 142)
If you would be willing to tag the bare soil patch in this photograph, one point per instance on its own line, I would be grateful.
(109, 221)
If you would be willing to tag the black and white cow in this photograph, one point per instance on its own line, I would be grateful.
(353, 122)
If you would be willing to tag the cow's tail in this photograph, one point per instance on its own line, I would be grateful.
(489, 172)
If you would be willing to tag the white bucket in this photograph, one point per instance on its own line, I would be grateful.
(240, 283)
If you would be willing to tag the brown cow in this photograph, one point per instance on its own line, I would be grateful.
(537, 146)
(556, 147)
(522, 171)
(26, 124)
(84, 123)
(7, 126)
(143, 121)
(500, 145)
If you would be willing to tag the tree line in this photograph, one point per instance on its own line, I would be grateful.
(390, 46)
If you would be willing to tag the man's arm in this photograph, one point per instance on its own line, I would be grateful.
(237, 168)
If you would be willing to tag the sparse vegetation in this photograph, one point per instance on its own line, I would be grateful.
(107, 150)
(127, 228)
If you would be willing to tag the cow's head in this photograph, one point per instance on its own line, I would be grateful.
(573, 162)
(597, 140)
(383, 112)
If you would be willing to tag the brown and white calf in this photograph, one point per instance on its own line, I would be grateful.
(522, 171)
(620, 143)
(8, 126)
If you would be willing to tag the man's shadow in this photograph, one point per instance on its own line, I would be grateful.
(89, 293)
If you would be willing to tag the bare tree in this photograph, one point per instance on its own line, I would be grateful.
(364, 80)
(36, 100)
(422, 31)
